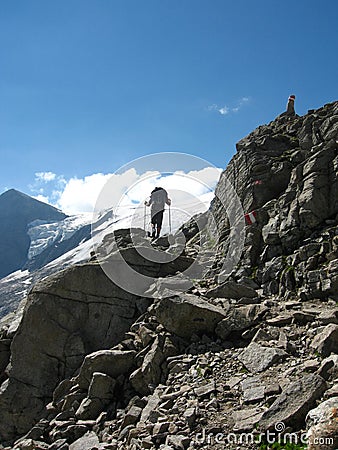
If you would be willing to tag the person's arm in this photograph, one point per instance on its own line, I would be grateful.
(168, 201)
(148, 202)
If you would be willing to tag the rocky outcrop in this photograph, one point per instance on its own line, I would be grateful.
(94, 366)
(67, 316)
(286, 172)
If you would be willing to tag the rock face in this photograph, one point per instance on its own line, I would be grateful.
(94, 366)
(67, 316)
(17, 211)
(286, 172)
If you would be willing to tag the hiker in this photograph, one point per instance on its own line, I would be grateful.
(93, 256)
(290, 107)
(158, 199)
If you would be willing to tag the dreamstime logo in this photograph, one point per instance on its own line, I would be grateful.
(270, 437)
(136, 268)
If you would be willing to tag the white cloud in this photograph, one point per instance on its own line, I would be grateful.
(212, 107)
(225, 110)
(222, 110)
(45, 176)
(102, 191)
(240, 104)
(80, 194)
(42, 198)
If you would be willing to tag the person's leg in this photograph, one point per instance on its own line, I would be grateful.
(159, 223)
(153, 226)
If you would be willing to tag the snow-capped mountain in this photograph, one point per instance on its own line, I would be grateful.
(55, 245)
(17, 211)
(43, 234)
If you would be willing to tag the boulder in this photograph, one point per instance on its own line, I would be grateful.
(322, 412)
(67, 316)
(187, 315)
(86, 442)
(150, 371)
(323, 426)
(326, 341)
(101, 386)
(90, 408)
(231, 289)
(238, 319)
(257, 358)
(30, 444)
(294, 402)
(132, 416)
(246, 419)
(329, 367)
(109, 362)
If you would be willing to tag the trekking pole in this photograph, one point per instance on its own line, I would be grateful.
(169, 219)
(144, 219)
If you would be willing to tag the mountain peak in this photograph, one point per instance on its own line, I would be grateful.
(20, 198)
(17, 210)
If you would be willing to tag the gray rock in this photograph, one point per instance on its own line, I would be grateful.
(150, 371)
(62, 390)
(272, 389)
(254, 394)
(67, 316)
(322, 412)
(30, 444)
(329, 316)
(187, 315)
(101, 386)
(132, 416)
(294, 402)
(90, 408)
(332, 392)
(281, 320)
(4, 353)
(60, 444)
(246, 419)
(152, 404)
(86, 442)
(231, 289)
(257, 358)
(329, 367)
(205, 390)
(238, 319)
(190, 415)
(179, 442)
(323, 426)
(326, 341)
(109, 362)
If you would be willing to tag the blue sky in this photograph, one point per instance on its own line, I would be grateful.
(87, 86)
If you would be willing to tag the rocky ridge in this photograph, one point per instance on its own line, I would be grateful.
(92, 366)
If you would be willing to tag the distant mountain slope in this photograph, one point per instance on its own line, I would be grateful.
(58, 248)
(17, 211)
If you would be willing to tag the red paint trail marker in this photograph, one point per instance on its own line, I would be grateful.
(250, 217)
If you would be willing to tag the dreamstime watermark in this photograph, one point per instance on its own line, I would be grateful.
(184, 177)
(279, 435)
